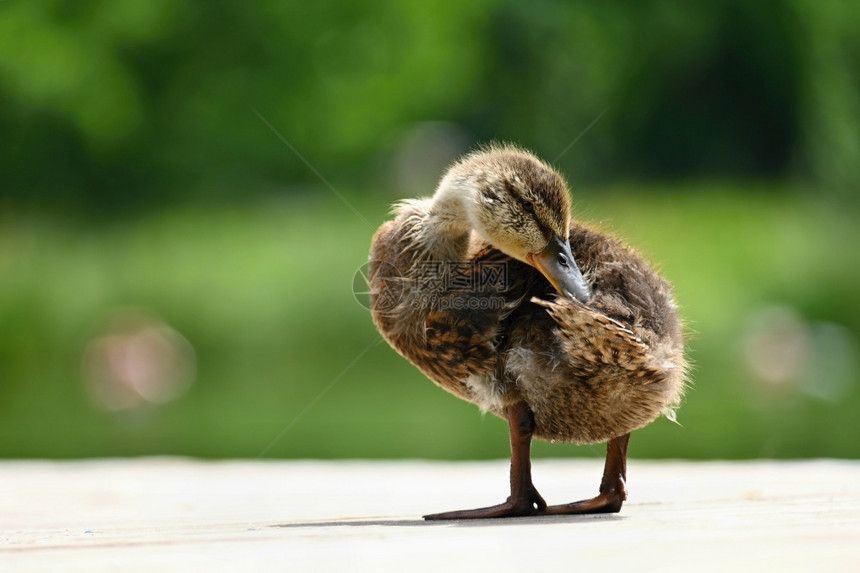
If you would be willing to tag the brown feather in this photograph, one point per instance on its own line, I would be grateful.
(589, 372)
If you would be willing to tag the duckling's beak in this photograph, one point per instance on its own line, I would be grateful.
(556, 263)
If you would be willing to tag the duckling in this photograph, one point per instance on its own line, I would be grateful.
(492, 292)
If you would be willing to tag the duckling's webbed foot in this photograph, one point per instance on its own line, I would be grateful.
(613, 490)
(511, 508)
(524, 499)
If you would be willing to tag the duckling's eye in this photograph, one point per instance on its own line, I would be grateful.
(562, 260)
(527, 205)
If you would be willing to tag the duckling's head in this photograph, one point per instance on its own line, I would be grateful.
(521, 206)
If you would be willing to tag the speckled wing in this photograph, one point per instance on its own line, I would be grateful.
(593, 341)
(461, 332)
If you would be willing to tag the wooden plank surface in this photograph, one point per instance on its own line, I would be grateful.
(177, 514)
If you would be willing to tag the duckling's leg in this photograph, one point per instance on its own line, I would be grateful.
(524, 499)
(613, 491)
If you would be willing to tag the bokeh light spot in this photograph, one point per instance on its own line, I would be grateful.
(137, 359)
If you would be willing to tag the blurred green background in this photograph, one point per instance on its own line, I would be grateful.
(187, 189)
